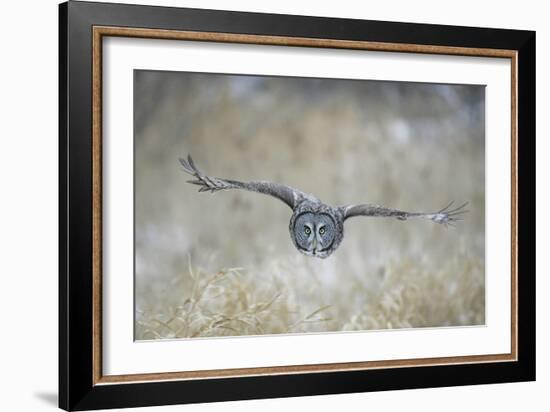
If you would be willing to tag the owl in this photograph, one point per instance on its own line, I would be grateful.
(316, 229)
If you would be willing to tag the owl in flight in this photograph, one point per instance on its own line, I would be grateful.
(316, 229)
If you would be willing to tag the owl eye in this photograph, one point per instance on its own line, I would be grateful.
(322, 231)
(307, 230)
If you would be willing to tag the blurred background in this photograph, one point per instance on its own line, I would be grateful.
(224, 264)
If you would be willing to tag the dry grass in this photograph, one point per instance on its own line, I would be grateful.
(231, 302)
(226, 303)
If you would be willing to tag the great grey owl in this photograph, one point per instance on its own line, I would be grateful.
(315, 227)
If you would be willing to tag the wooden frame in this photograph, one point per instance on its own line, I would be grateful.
(82, 385)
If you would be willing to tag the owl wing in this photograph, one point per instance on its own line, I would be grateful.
(446, 216)
(285, 193)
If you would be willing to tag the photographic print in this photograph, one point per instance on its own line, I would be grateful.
(287, 205)
(264, 205)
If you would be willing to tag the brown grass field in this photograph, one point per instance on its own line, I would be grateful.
(224, 264)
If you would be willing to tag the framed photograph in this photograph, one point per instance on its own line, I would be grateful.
(257, 205)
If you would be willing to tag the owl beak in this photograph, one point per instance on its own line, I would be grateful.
(314, 244)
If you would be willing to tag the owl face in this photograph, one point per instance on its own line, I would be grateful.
(314, 233)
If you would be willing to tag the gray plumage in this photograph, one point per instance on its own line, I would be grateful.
(316, 229)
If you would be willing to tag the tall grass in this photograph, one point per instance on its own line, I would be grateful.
(232, 302)
(225, 303)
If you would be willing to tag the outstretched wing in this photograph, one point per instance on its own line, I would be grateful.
(446, 216)
(287, 194)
